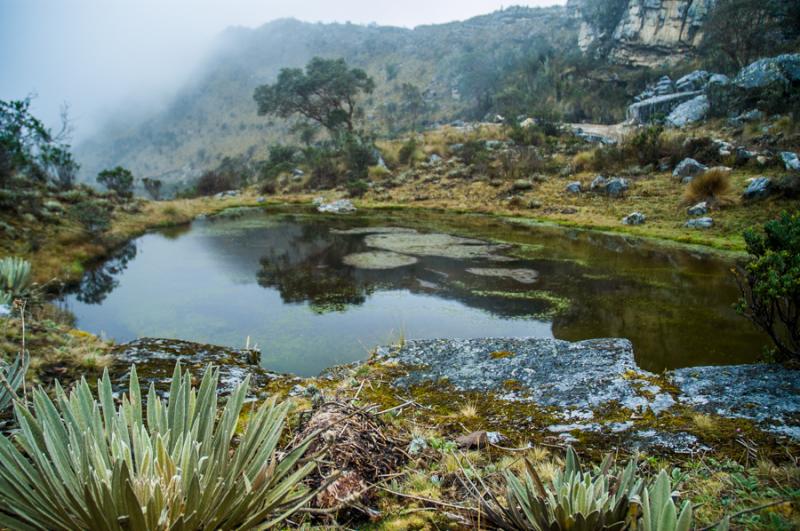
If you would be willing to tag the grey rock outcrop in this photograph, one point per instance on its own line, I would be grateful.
(696, 80)
(580, 379)
(573, 188)
(758, 188)
(617, 187)
(764, 84)
(648, 110)
(790, 160)
(340, 206)
(700, 209)
(687, 169)
(634, 218)
(648, 32)
(689, 112)
(699, 223)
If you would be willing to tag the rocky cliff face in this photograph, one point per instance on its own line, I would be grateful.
(648, 32)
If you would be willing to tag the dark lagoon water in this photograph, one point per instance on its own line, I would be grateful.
(304, 288)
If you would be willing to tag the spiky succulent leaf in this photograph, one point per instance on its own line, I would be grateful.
(15, 278)
(85, 462)
(12, 378)
(575, 499)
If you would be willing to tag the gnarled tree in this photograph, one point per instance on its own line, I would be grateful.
(326, 93)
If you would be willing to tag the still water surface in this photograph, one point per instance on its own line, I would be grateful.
(281, 279)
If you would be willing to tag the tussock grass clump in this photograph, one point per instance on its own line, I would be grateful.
(713, 185)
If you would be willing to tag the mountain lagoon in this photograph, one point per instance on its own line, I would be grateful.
(313, 291)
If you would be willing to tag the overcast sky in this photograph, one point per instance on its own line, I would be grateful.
(97, 55)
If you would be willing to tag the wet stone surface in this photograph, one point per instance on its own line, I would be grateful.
(581, 378)
(549, 372)
(155, 361)
(768, 394)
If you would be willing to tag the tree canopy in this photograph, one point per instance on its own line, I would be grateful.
(118, 180)
(28, 147)
(325, 93)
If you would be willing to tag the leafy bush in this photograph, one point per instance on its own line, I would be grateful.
(280, 160)
(15, 279)
(359, 155)
(119, 180)
(94, 216)
(324, 169)
(708, 186)
(216, 181)
(770, 283)
(12, 378)
(526, 136)
(473, 152)
(83, 463)
(408, 151)
(28, 147)
(357, 188)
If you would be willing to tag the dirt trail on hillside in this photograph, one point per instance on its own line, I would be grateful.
(614, 131)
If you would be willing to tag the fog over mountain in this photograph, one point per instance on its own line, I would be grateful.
(109, 58)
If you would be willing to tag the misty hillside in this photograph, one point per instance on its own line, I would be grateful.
(582, 62)
(214, 115)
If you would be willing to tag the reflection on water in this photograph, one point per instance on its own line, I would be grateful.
(280, 279)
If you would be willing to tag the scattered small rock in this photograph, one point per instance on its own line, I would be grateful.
(573, 187)
(617, 187)
(791, 160)
(634, 218)
(700, 209)
(758, 188)
(598, 184)
(340, 206)
(475, 440)
(700, 223)
(687, 169)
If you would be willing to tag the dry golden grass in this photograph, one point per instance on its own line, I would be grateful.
(713, 185)
(468, 410)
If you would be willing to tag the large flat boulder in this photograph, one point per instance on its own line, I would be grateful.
(581, 380)
(659, 107)
(766, 393)
(155, 361)
(549, 372)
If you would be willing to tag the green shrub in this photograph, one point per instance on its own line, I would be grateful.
(359, 155)
(94, 216)
(407, 151)
(83, 463)
(473, 152)
(770, 283)
(280, 160)
(118, 180)
(357, 188)
(322, 162)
